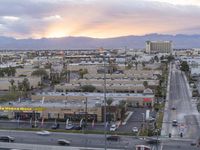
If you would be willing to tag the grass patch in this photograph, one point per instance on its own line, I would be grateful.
(143, 132)
(71, 131)
(10, 96)
(159, 120)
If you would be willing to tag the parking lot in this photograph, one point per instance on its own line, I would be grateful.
(135, 120)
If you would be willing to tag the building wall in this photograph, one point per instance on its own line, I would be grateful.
(159, 47)
(55, 112)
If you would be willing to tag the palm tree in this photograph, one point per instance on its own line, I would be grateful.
(145, 83)
(12, 85)
(82, 72)
(136, 65)
(12, 82)
(24, 86)
(109, 102)
(122, 105)
(143, 64)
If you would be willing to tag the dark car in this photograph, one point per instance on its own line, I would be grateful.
(34, 125)
(113, 138)
(77, 128)
(173, 108)
(63, 142)
(7, 139)
(153, 141)
(55, 126)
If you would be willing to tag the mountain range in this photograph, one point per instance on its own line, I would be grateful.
(136, 42)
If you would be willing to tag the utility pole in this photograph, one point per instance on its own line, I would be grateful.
(103, 54)
(105, 124)
(86, 116)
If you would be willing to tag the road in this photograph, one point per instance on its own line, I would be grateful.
(95, 141)
(78, 140)
(186, 113)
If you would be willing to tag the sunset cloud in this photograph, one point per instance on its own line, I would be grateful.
(97, 18)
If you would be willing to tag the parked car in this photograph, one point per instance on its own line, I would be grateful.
(135, 129)
(152, 140)
(7, 139)
(113, 138)
(193, 143)
(55, 126)
(44, 133)
(63, 142)
(34, 126)
(113, 127)
(69, 127)
(173, 108)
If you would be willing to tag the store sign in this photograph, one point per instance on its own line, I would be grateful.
(147, 100)
(5, 108)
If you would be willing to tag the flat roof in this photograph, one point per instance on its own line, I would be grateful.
(95, 94)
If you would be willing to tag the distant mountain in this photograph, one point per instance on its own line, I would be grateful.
(179, 41)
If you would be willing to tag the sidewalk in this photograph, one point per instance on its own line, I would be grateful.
(43, 147)
(165, 118)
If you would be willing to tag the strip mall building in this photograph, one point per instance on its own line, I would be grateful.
(75, 105)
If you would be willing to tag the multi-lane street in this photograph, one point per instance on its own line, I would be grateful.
(95, 141)
(179, 107)
(77, 140)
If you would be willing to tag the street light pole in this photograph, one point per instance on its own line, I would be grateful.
(86, 102)
(142, 122)
(86, 116)
(105, 124)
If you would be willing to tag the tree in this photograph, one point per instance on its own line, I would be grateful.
(112, 66)
(162, 57)
(156, 58)
(143, 64)
(82, 72)
(24, 87)
(184, 66)
(109, 102)
(88, 88)
(136, 65)
(9, 71)
(121, 106)
(2, 72)
(12, 82)
(13, 87)
(12, 71)
(130, 65)
(170, 58)
(40, 73)
(145, 83)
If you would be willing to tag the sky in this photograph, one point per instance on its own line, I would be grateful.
(97, 18)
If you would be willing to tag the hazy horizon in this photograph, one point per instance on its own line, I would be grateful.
(97, 18)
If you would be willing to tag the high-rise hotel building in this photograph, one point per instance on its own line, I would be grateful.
(153, 47)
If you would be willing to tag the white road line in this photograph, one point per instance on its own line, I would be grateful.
(161, 147)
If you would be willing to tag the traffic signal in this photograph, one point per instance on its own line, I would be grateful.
(181, 135)
(170, 135)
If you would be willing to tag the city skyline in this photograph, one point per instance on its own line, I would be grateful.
(97, 18)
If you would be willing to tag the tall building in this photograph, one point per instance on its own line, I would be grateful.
(158, 47)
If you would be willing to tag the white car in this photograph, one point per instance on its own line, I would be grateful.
(135, 129)
(43, 132)
(113, 127)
